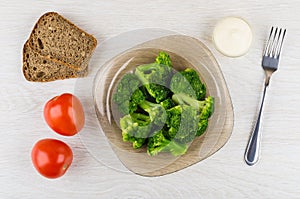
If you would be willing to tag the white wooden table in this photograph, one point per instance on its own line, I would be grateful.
(223, 175)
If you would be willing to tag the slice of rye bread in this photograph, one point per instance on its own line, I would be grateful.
(40, 68)
(60, 39)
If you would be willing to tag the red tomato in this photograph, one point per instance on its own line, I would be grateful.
(51, 157)
(64, 114)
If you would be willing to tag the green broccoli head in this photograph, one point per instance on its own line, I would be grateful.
(164, 59)
(136, 98)
(155, 77)
(156, 112)
(173, 121)
(180, 84)
(136, 142)
(208, 108)
(153, 73)
(188, 82)
(167, 103)
(158, 92)
(205, 107)
(127, 87)
(146, 94)
(135, 128)
(194, 80)
(162, 109)
(159, 143)
(182, 123)
(202, 126)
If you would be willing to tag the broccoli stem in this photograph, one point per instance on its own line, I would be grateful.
(156, 112)
(169, 146)
(181, 98)
(176, 149)
(147, 106)
(142, 119)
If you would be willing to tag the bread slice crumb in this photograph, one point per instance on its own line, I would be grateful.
(56, 49)
(57, 37)
(38, 68)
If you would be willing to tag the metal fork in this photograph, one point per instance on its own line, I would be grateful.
(270, 62)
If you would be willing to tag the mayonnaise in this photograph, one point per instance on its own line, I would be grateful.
(232, 36)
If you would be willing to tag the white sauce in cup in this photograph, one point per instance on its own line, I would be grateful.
(232, 36)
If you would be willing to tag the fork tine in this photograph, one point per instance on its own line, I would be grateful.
(272, 44)
(281, 42)
(268, 42)
(276, 44)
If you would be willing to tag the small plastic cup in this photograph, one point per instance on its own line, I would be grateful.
(232, 36)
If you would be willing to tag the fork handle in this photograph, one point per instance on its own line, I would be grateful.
(253, 147)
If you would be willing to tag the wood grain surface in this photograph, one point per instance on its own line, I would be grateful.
(224, 174)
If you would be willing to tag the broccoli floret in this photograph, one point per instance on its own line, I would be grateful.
(155, 77)
(167, 120)
(173, 122)
(159, 143)
(135, 128)
(127, 94)
(158, 92)
(163, 58)
(206, 113)
(194, 80)
(168, 103)
(153, 73)
(182, 123)
(139, 125)
(208, 108)
(180, 84)
(146, 94)
(205, 107)
(202, 126)
(188, 82)
(136, 142)
(156, 112)
(137, 97)
(136, 124)
(141, 119)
